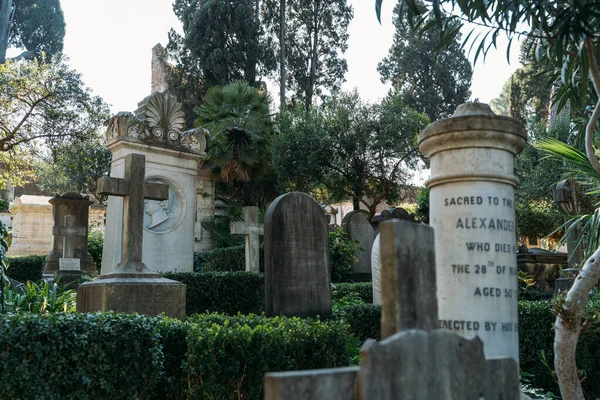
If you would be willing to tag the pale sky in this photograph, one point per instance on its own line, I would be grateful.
(109, 42)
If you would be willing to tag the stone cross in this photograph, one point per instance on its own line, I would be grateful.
(252, 230)
(134, 190)
(69, 232)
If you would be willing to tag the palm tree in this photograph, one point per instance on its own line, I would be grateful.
(238, 118)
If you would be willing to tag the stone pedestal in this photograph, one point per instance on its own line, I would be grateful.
(32, 226)
(129, 294)
(472, 212)
(77, 205)
(168, 234)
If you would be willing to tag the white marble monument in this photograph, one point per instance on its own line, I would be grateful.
(472, 212)
(172, 158)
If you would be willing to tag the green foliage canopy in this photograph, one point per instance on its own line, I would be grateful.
(429, 81)
(36, 25)
(42, 102)
(316, 38)
(356, 150)
(222, 42)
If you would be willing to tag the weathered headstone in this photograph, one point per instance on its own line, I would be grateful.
(131, 286)
(172, 158)
(77, 206)
(297, 274)
(357, 227)
(251, 229)
(473, 215)
(416, 362)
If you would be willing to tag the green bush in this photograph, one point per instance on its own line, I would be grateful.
(26, 268)
(224, 292)
(95, 246)
(123, 356)
(230, 259)
(422, 211)
(364, 319)
(228, 356)
(343, 252)
(538, 218)
(364, 291)
(78, 356)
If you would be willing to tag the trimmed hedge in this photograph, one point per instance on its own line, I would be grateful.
(123, 356)
(230, 259)
(362, 290)
(26, 268)
(224, 292)
(364, 320)
(78, 356)
(228, 356)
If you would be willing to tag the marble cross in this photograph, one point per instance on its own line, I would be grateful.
(251, 229)
(134, 190)
(69, 231)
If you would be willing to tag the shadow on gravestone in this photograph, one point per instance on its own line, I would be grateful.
(297, 272)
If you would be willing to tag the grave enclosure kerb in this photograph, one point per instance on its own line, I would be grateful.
(472, 212)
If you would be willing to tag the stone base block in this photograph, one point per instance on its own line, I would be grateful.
(148, 296)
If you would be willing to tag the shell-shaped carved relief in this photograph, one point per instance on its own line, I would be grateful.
(164, 116)
(194, 139)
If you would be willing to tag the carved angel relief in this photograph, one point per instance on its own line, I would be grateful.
(161, 121)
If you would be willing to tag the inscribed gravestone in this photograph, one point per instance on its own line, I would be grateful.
(32, 226)
(472, 212)
(297, 273)
(358, 227)
(251, 229)
(69, 232)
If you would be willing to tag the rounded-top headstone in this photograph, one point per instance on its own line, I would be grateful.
(357, 226)
(297, 273)
(472, 212)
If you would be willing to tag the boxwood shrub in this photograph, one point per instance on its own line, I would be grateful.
(26, 268)
(123, 356)
(230, 259)
(78, 356)
(362, 290)
(223, 292)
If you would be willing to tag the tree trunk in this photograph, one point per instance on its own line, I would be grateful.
(355, 203)
(6, 14)
(257, 12)
(282, 55)
(314, 57)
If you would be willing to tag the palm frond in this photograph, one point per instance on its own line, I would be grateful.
(577, 163)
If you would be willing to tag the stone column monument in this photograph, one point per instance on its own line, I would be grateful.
(172, 158)
(472, 212)
(78, 206)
